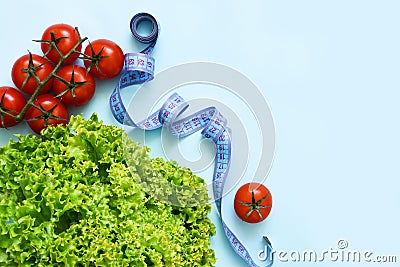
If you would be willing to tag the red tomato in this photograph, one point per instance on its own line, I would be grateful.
(253, 202)
(66, 38)
(81, 85)
(11, 101)
(25, 66)
(48, 111)
(107, 59)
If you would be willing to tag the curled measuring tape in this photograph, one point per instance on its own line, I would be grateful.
(139, 68)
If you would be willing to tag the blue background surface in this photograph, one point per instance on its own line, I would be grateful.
(330, 73)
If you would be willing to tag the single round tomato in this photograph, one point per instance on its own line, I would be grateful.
(66, 37)
(48, 110)
(105, 59)
(12, 102)
(253, 202)
(25, 67)
(80, 86)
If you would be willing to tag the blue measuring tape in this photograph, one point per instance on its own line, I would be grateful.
(139, 68)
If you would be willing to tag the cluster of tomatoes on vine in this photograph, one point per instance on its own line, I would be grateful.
(47, 84)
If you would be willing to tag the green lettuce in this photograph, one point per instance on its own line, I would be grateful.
(69, 198)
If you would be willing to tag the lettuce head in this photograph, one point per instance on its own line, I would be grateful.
(69, 198)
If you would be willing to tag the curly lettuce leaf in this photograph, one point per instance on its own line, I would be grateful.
(68, 198)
